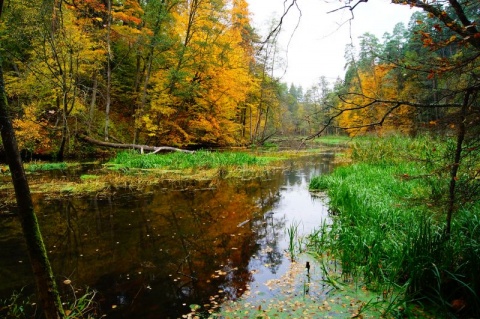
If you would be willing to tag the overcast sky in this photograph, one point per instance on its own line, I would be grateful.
(318, 45)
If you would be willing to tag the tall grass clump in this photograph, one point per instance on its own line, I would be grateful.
(293, 244)
(178, 160)
(388, 230)
(35, 167)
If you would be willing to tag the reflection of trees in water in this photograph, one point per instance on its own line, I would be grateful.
(15, 272)
(150, 254)
(270, 230)
(154, 252)
(303, 169)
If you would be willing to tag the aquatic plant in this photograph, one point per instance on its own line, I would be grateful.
(88, 177)
(21, 305)
(389, 232)
(198, 160)
(333, 139)
(292, 232)
(39, 166)
(83, 306)
(15, 306)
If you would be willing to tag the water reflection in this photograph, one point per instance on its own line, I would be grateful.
(154, 254)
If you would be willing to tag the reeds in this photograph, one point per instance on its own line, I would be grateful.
(39, 166)
(387, 230)
(177, 160)
(294, 245)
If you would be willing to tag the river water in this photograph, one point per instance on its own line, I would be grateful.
(152, 255)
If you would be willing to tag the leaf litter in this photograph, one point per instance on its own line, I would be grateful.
(309, 293)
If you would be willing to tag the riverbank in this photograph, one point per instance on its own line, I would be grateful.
(388, 230)
(136, 248)
(385, 253)
(135, 171)
(302, 293)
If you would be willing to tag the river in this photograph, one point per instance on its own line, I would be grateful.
(155, 253)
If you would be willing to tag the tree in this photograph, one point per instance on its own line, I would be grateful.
(51, 69)
(318, 104)
(47, 291)
(265, 100)
(443, 77)
(158, 17)
(194, 98)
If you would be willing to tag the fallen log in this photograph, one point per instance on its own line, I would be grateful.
(142, 148)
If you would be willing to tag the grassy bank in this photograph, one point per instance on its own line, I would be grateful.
(197, 160)
(135, 171)
(333, 140)
(388, 227)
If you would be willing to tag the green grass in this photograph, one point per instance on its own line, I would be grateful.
(86, 177)
(35, 167)
(178, 160)
(293, 245)
(22, 306)
(333, 139)
(388, 224)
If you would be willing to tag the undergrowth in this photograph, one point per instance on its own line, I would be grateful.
(388, 225)
(40, 166)
(178, 160)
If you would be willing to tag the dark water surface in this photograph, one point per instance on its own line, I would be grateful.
(152, 255)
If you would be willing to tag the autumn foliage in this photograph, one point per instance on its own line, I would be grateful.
(178, 73)
(195, 73)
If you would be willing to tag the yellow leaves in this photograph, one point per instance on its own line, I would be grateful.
(452, 38)
(205, 124)
(159, 108)
(30, 131)
(377, 85)
(209, 76)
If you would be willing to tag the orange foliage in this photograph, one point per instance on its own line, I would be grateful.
(362, 110)
(30, 132)
(196, 100)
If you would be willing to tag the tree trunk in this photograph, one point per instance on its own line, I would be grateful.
(109, 69)
(93, 102)
(48, 295)
(154, 149)
(456, 163)
(144, 90)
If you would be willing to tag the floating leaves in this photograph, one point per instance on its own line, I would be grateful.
(300, 295)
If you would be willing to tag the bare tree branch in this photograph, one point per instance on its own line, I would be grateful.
(349, 7)
(274, 33)
(392, 105)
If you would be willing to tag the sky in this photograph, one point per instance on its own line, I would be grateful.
(317, 46)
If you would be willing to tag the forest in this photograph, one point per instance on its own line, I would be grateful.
(195, 74)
